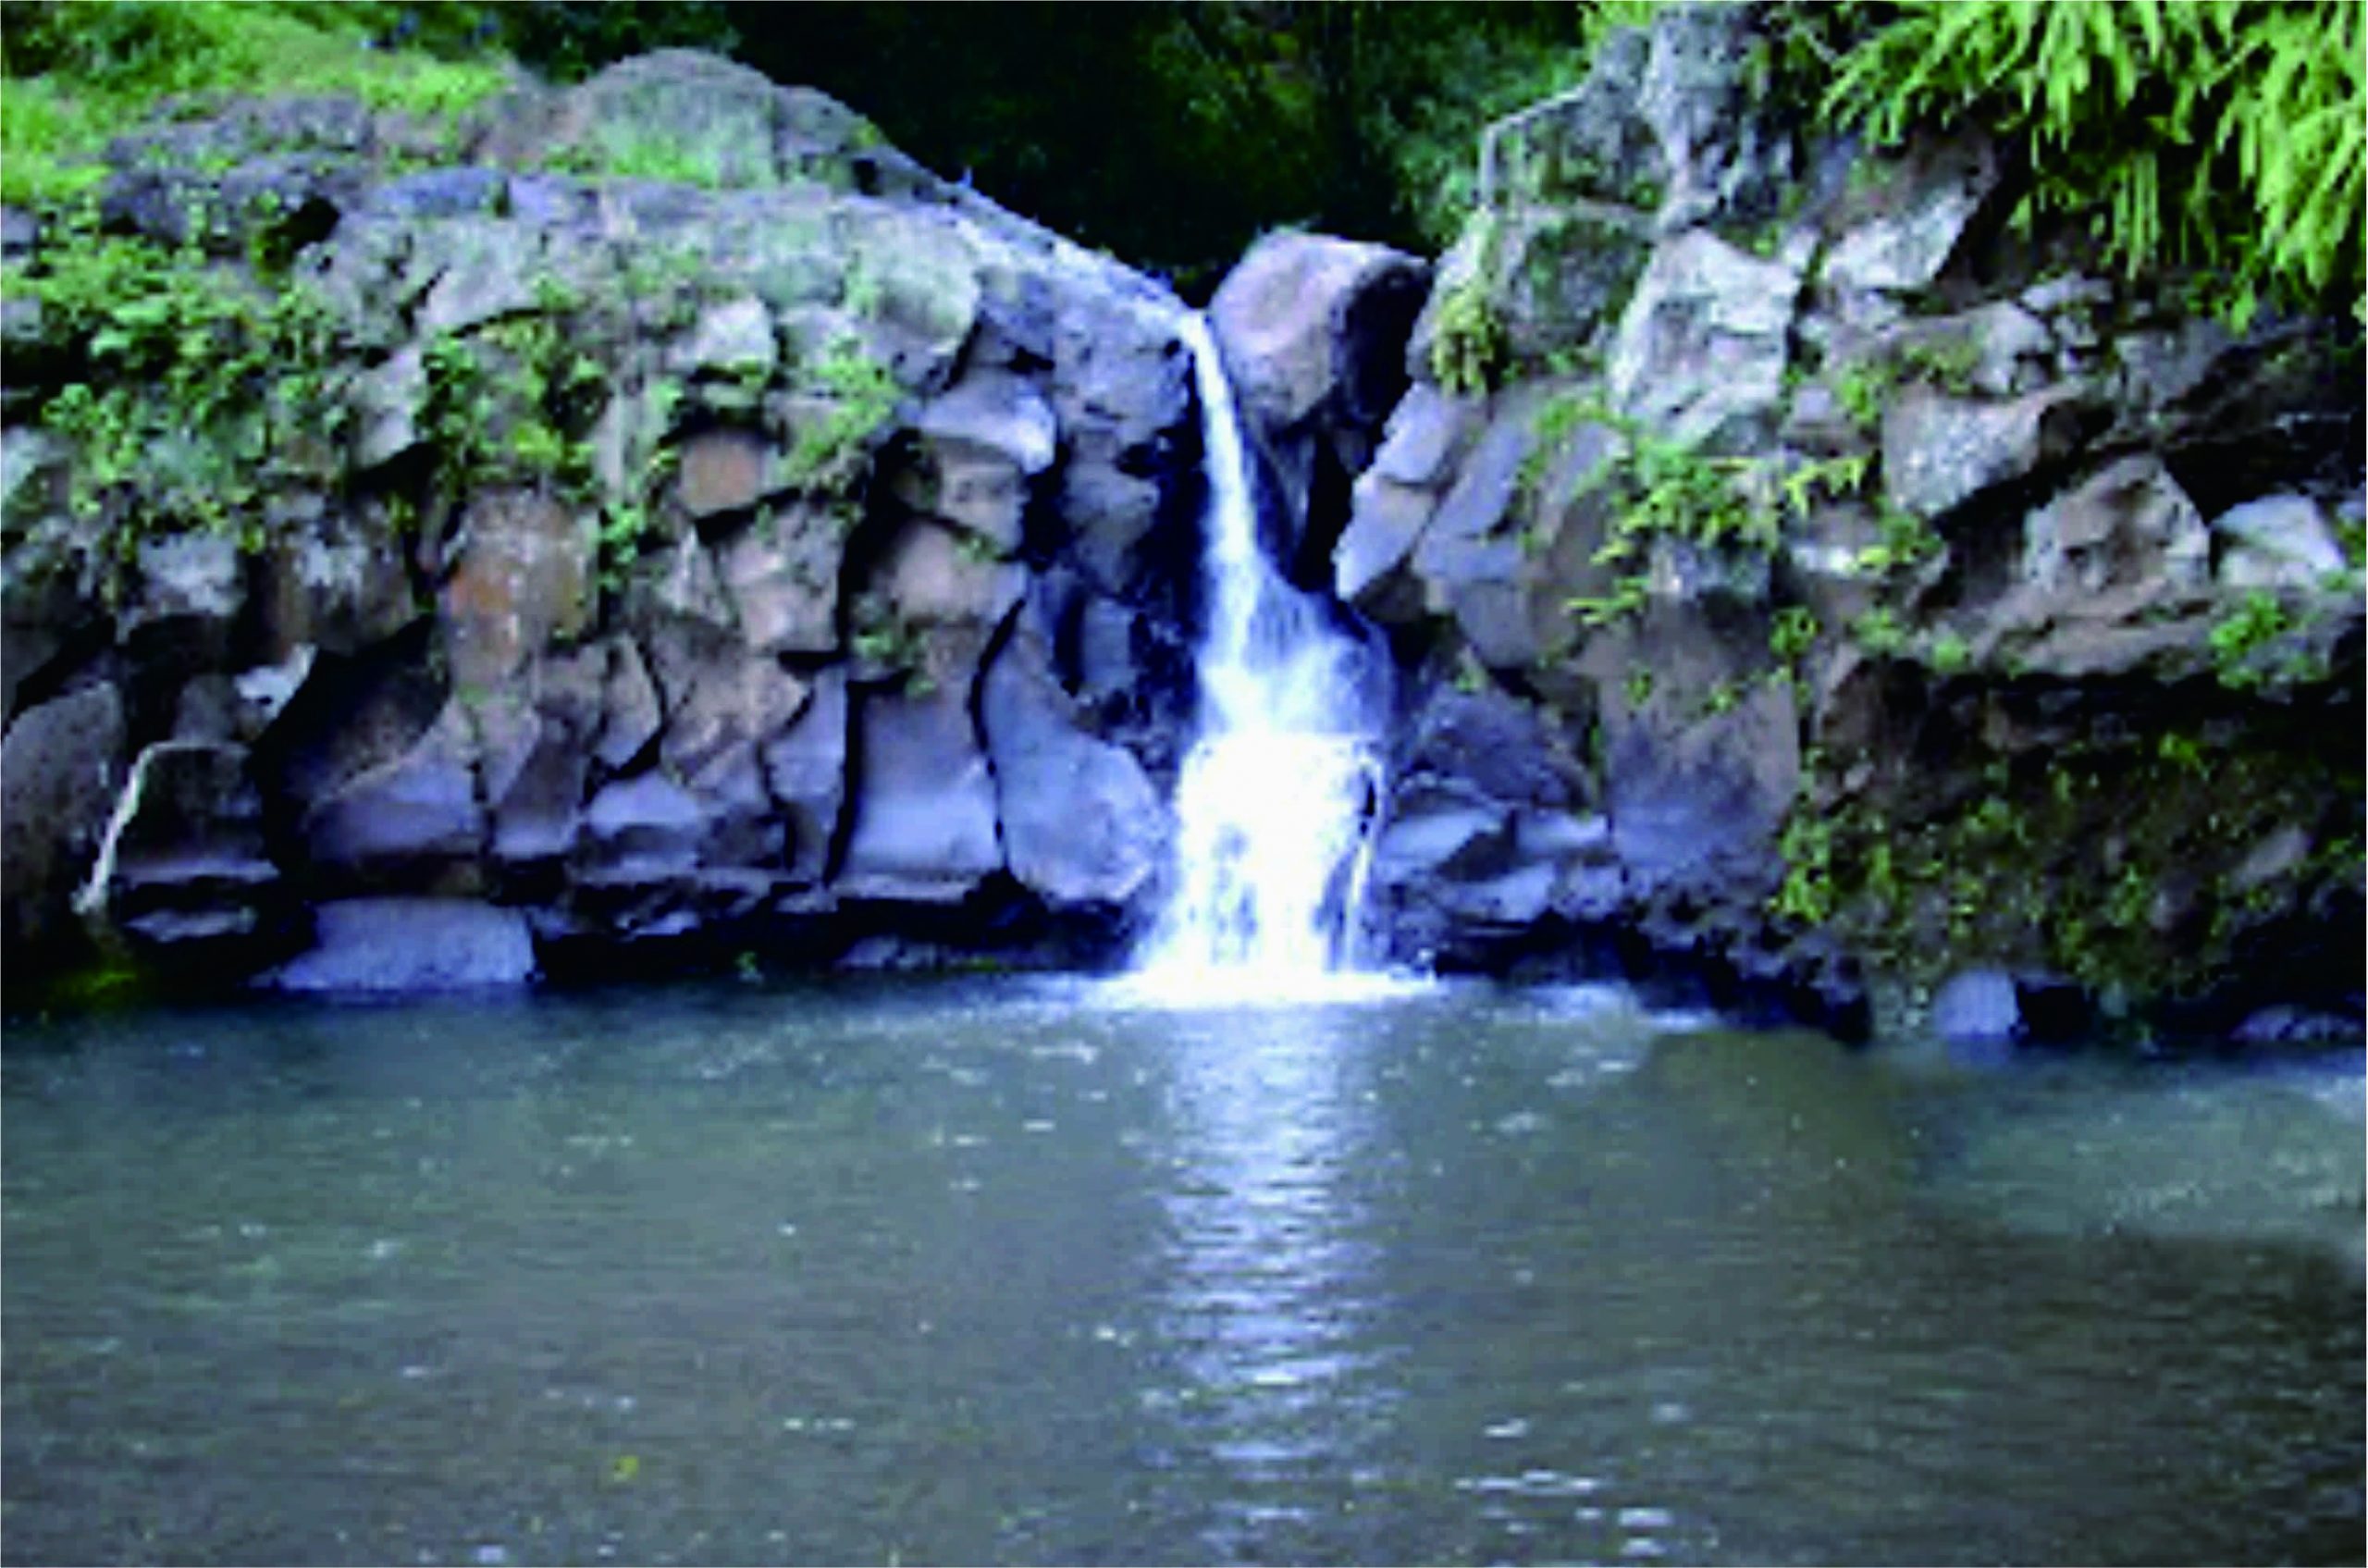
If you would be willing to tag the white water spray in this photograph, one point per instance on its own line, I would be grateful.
(1277, 791)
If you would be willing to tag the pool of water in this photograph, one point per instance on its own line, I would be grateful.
(1012, 1271)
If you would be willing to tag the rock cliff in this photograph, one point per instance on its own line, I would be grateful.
(681, 526)
(1814, 581)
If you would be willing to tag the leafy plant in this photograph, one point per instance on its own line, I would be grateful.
(2258, 621)
(2230, 136)
(1880, 633)
(1860, 389)
(862, 394)
(1793, 632)
(1834, 478)
(1949, 654)
(1806, 891)
(1470, 348)
(189, 385)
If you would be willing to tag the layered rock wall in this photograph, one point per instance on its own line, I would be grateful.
(793, 552)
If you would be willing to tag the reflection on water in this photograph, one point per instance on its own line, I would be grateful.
(1268, 1250)
(1030, 1272)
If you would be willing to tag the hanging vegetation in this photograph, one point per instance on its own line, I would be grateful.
(2228, 136)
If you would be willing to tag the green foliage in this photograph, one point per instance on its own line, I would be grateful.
(1906, 541)
(2256, 623)
(1671, 489)
(1860, 388)
(191, 386)
(1949, 654)
(510, 404)
(1880, 633)
(1793, 632)
(79, 73)
(625, 156)
(1470, 348)
(1471, 77)
(831, 451)
(879, 634)
(1830, 478)
(1807, 893)
(2229, 136)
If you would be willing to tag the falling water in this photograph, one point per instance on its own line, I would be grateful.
(1276, 793)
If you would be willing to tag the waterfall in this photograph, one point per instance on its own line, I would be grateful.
(1279, 787)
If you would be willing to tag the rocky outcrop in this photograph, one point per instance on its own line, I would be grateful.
(669, 523)
(1887, 598)
(1314, 329)
(696, 528)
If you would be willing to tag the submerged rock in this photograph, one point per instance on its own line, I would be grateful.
(410, 944)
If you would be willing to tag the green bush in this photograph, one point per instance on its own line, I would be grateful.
(2229, 135)
(82, 71)
(193, 384)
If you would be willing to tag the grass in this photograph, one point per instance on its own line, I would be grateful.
(79, 73)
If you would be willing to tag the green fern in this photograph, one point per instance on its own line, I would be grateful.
(2229, 135)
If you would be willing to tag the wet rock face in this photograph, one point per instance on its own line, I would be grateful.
(661, 586)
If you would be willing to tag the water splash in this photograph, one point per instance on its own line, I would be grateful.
(1277, 793)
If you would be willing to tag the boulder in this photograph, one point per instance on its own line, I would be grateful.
(1082, 823)
(1702, 347)
(327, 581)
(191, 580)
(1723, 158)
(1915, 214)
(1121, 390)
(1977, 1007)
(712, 115)
(806, 769)
(732, 338)
(523, 577)
(410, 944)
(1483, 821)
(2276, 542)
(1394, 500)
(781, 575)
(1513, 541)
(1309, 323)
(2124, 537)
(722, 704)
(1696, 802)
(61, 768)
(924, 805)
(630, 717)
(537, 797)
(409, 820)
(645, 826)
(724, 470)
(388, 401)
(1941, 451)
(980, 444)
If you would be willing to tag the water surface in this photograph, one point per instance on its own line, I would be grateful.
(1003, 1271)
